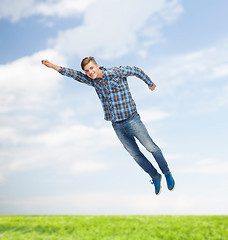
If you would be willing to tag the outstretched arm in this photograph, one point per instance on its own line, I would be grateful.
(76, 75)
(50, 65)
(135, 71)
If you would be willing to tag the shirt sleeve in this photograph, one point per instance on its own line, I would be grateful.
(76, 75)
(137, 72)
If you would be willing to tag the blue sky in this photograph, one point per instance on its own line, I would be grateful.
(58, 155)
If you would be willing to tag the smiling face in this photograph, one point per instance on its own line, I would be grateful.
(92, 70)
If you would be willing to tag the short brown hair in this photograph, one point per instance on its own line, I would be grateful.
(86, 60)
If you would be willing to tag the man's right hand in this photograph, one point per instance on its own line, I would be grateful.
(50, 65)
(47, 63)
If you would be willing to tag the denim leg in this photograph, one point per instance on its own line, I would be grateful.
(138, 129)
(131, 146)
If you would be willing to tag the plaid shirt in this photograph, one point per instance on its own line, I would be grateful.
(112, 89)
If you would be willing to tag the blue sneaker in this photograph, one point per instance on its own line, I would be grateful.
(157, 184)
(170, 181)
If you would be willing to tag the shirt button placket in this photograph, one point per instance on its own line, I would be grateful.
(109, 97)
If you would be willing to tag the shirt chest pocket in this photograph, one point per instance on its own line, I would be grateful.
(115, 86)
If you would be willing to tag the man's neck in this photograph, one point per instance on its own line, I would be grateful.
(100, 74)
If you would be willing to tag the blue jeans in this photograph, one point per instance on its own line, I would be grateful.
(131, 128)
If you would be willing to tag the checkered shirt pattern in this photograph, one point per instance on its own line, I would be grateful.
(112, 89)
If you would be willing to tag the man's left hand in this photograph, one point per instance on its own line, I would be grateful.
(152, 87)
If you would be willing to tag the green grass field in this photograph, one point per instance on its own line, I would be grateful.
(113, 227)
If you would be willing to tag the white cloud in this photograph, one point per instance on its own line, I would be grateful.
(183, 157)
(72, 145)
(80, 135)
(27, 90)
(62, 8)
(113, 28)
(193, 83)
(1, 178)
(222, 99)
(16, 10)
(220, 167)
(8, 133)
(192, 164)
(203, 66)
(87, 167)
(153, 115)
(118, 203)
(25, 83)
(102, 32)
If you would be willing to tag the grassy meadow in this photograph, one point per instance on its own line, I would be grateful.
(113, 227)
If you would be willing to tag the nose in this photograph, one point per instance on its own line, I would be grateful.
(90, 71)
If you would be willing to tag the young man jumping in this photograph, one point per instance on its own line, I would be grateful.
(119, 107)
